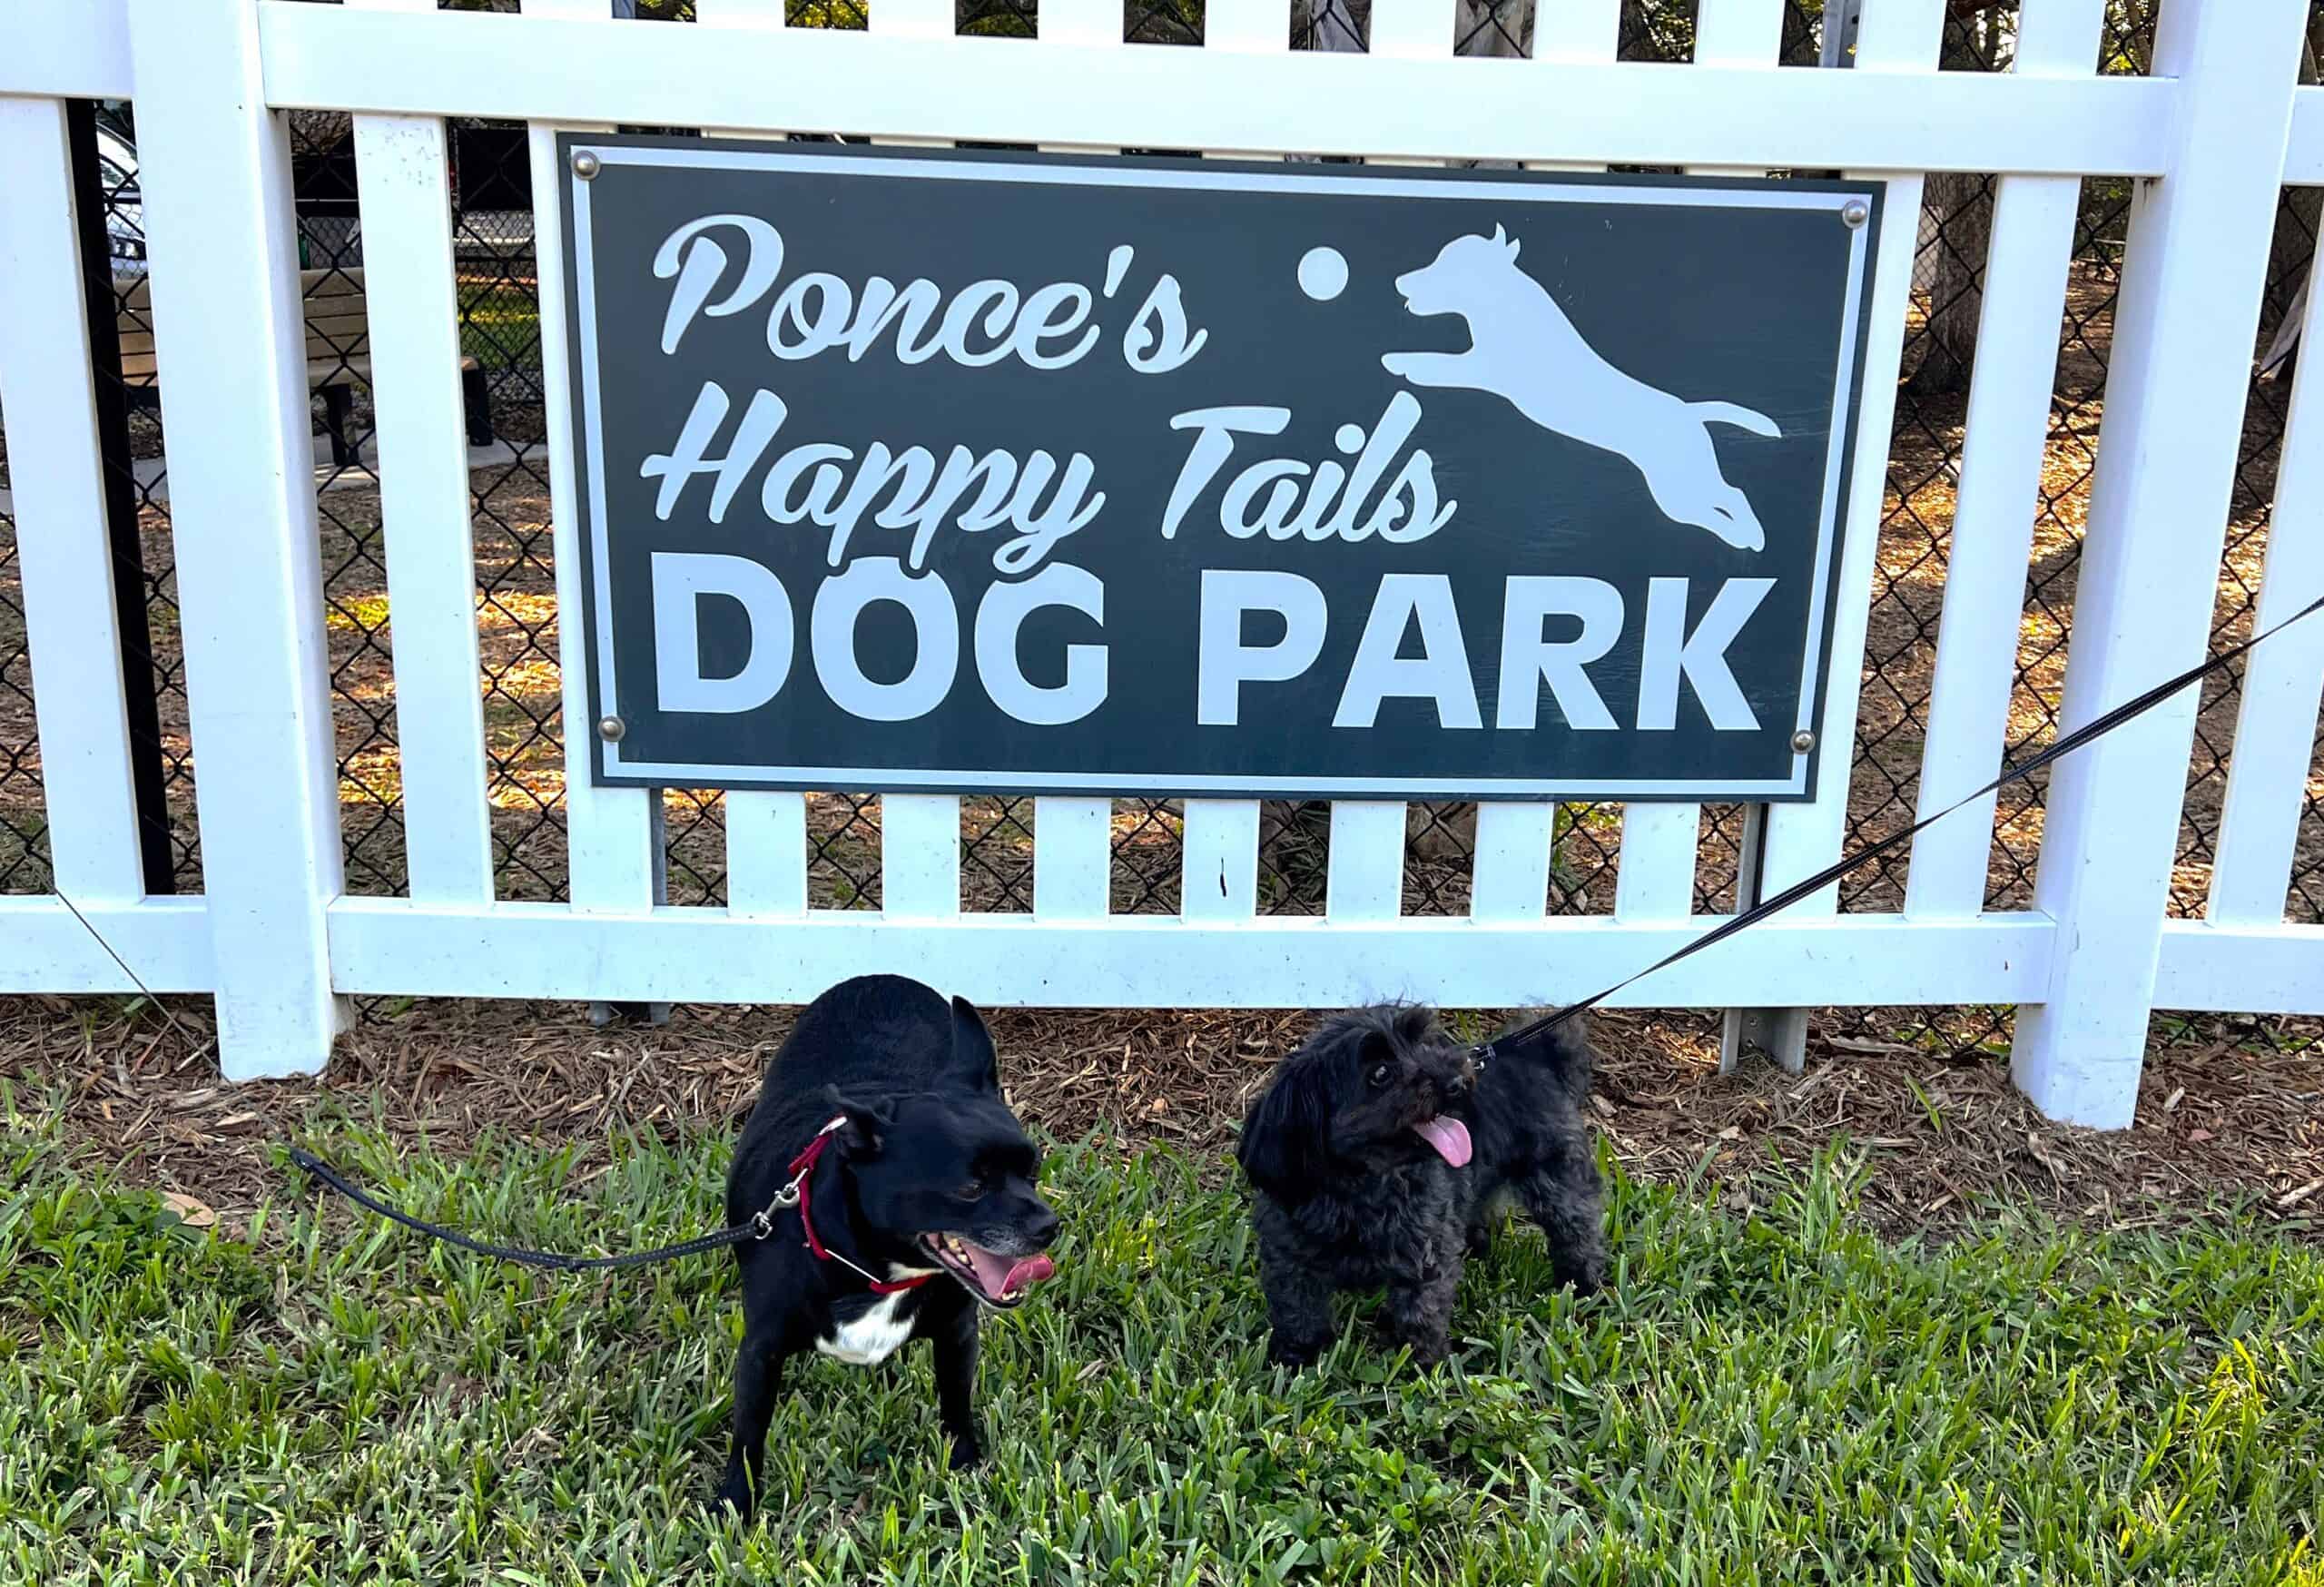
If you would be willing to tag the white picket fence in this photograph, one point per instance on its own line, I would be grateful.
(2213, 136)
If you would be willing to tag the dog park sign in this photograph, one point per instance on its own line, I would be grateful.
(941, 471)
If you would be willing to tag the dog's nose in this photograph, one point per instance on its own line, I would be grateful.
(1041, 1226)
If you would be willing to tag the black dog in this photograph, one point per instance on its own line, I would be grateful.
(898, 1191)
(1380, 1151)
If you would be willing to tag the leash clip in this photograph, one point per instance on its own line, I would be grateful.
(763, 1223)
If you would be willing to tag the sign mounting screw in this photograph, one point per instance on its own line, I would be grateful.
(1801, 741)
(611, 728)
(585, 166)
(1854, 213)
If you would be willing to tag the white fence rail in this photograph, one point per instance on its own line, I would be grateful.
(2217, 129)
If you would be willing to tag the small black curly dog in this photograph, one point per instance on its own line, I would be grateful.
(1380, 1151)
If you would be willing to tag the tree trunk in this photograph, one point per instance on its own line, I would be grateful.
(1493, 27)
(1334, 26)
(2291, 253)
(1961, 203)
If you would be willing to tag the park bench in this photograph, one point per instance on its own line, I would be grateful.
(337, 353)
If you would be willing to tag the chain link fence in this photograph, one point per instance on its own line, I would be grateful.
(24, 820)
(498, 293)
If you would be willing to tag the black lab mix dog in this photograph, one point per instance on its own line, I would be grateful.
(1379, 1153)
(899, 1199)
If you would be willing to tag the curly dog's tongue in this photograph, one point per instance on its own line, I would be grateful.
(1450, 1136)
(1000, 1276)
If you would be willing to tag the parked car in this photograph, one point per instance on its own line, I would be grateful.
(124, 203)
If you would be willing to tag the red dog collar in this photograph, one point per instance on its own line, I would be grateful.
(803, 1168)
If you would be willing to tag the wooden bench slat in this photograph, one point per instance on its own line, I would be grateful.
(137, 292)
(338, 326)
(342, 333)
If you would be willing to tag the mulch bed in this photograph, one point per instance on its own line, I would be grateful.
(2230, 1112)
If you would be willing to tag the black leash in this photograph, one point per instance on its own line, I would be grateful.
(332, 1176)
(1484, 1052)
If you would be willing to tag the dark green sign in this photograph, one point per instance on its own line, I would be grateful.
(976, 472)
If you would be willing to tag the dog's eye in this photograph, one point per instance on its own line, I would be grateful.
(1380, 1072)
(972, 1189)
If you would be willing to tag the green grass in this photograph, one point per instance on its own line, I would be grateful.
(1777, 1397)
(501, 327)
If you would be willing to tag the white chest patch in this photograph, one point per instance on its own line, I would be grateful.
(871, 1338)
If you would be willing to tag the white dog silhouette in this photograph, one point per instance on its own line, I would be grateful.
(1525, 349)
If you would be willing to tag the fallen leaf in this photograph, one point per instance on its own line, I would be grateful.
(1731, 1132)
(2198, 1136)
(191, 1212)
(2041, 1155)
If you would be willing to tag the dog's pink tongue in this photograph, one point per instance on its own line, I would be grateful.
(1028, 1270)
(1000, 1276)
(1450, 1136)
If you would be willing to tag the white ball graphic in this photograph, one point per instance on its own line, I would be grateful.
(1323, 273)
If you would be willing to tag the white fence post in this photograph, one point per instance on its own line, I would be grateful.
(2283, 680)
(221, 232)
(402, 173)
(613, 836)
(1747, 34)
(58, 477)
(1899, 36)
(2004, 440)
(2183, 331)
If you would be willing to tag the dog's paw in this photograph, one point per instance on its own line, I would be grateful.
(967, 1454)
(1297, 1353)
(735, 1493)
(1584, 1275)
(1429, 1350)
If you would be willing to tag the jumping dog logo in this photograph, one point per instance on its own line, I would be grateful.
(1526, 352)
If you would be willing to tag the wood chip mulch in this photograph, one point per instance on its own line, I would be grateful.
(2231, 1111)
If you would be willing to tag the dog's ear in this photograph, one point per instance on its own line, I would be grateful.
(1286, 1146)
(974, 1061)
(1416, 1024)
(1507, 243)
(864, 1131)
